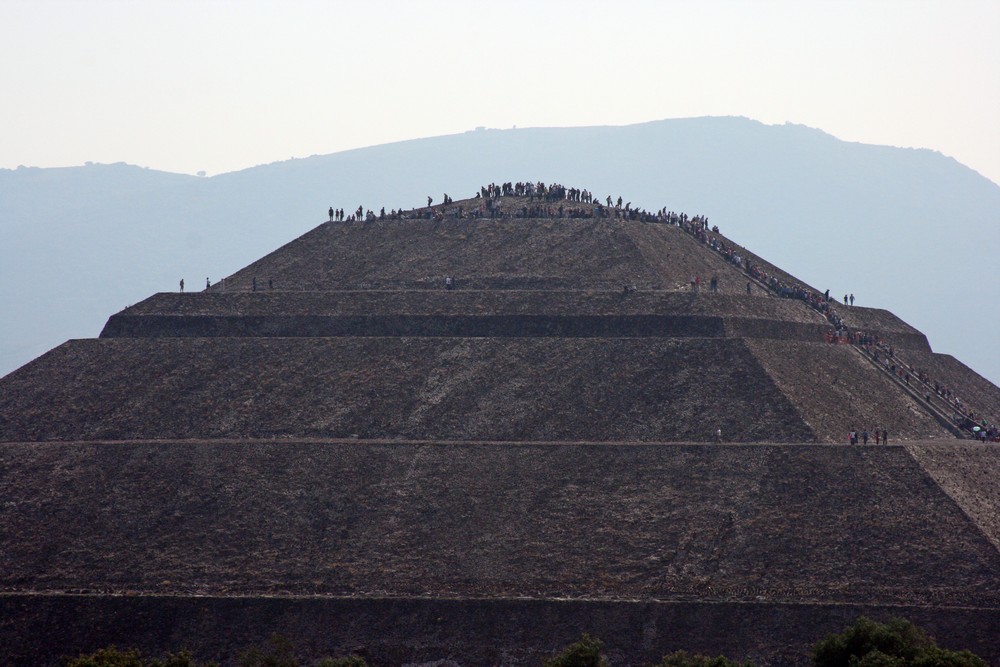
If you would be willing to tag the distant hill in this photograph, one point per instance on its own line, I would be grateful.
(908, 230)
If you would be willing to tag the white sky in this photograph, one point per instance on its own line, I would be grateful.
(185, 85)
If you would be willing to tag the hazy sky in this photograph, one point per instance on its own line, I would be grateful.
(218, 86)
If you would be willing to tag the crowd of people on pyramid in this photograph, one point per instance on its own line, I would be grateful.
(961, 415)
(551, 193)
(558, 201)
(544, 201)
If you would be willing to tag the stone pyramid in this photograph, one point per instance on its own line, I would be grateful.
(473, 431)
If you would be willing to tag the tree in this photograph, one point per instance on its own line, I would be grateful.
(896, 643)
(584, 653)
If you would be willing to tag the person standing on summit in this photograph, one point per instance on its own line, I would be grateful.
(331, 214)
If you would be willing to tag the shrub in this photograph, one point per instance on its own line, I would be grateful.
(108, 657)
(112, 657)
(685, 659)
(350, 661)
(280, 653)
(584, 653)
(896, 643)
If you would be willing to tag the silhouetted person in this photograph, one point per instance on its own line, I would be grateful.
(331, 214)
(182, 284)
(207, 283)
(885, 437)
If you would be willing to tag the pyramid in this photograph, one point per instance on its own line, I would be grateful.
(471, 432)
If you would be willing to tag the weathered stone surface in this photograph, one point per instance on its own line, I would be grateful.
(489, 254)
(614, 389)
(761, 523)
(968, 474)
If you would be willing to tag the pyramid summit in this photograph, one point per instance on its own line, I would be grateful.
(478, 429)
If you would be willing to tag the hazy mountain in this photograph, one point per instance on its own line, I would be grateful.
(908, 230)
